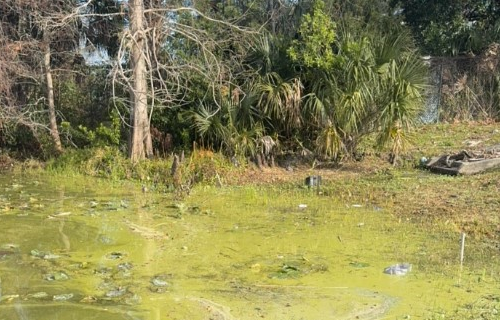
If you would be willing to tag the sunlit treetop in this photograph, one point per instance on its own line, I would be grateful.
(314, 47)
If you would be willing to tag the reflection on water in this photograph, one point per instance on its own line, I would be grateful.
(91, 250)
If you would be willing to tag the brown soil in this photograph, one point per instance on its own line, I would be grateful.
(279, 175)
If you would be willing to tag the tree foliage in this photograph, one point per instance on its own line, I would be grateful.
(452, 27)
(316, 76)
(41, 45)
(314, 48)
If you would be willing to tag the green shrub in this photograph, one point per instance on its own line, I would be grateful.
(106, 134)
(107, 162)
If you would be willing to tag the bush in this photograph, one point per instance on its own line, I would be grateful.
(107, 162)
(202, 166)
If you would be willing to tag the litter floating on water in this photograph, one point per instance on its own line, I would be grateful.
(115, 293)
(62, 297)
(399, 269)
(58, 276)
(38, 295)
(44, 255)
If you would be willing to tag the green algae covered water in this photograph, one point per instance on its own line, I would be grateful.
(89, 249)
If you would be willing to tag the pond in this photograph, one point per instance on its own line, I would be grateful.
(82, 248)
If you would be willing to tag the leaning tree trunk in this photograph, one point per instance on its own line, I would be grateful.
(54, 132)
(140, 144)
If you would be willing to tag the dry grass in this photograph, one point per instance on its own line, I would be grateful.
(464, 203)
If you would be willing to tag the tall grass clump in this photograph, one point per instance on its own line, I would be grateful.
(199, 167)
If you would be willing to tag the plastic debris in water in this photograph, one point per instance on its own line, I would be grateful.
(399, 269)
(58, 276)
(62, 297)
(50, 256)
(38, 295)
(118, 292)
(44, 255)
(160, 280)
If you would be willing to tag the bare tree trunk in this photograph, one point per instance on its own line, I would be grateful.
(140, 143)
(271, 15)
(258, 161)
(50, 98)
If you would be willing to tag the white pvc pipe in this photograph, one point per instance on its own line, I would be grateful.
(462, 249)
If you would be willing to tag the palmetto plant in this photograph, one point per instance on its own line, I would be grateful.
(210, 124)
(232, 126)
(372, 84)
(356, 88)
(402, 84)
(280, 101)
(376, 86)
(341, 99)
(330, 142)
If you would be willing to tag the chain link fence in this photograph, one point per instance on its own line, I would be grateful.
(464, 88)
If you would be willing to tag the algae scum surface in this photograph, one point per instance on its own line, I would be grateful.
(87, 249)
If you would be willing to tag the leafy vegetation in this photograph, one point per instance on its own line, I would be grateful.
(452, 27)
(314, 49)
(310, 83)
(318, 78)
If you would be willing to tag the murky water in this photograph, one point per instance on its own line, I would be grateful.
(89, 249)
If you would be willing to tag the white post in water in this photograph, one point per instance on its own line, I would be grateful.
(462, 248)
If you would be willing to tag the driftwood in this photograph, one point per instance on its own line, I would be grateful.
(466, 163)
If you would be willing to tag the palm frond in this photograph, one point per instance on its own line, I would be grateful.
(391, 47)
(330, 143)
(401, 99)
(280, 99)
(247, 113)
(209, 125)
(315, 109)
(246, 140)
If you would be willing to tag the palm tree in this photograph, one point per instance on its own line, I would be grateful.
(403, 86)
(280, 101)
(403, 81)
(231, 125)
(376, 85)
